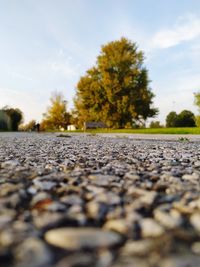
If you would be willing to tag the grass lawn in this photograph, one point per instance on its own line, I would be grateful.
(192, 130)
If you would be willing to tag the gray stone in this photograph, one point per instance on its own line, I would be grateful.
(150, 228)
(33, 253)
(181, 261)
(168, 220)
(195, 221)
(82, 238)
(196, 248)
(143, 247)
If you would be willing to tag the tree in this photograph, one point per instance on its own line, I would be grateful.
(4, 121)
(197, 103)
(155, 124)
(115, 91)
(57, 116)
(197, 120)
(184, 119)
(29, 126)
(171, 119)
(197, 100)
(15, 115)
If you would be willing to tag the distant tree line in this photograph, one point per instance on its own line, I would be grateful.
(184, 119)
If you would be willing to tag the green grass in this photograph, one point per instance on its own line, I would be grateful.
(193, 130)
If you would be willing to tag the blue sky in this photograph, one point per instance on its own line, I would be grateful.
(46, 45)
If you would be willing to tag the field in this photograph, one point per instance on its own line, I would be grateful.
(192, 130)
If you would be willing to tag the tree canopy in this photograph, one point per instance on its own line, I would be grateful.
(184, 119)
(116, 90)
(155, 124)
(30, 126)
(15, 116)
(56, 116)
(5, 123)
(171, 119)
(197, 100)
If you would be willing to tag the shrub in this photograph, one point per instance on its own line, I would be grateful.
(155, 124)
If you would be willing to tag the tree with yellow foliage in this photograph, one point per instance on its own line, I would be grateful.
(56, 116)
(116, 90)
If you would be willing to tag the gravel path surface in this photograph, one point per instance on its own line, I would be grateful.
(99, 201)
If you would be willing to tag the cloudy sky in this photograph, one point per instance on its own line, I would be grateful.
(46, 45)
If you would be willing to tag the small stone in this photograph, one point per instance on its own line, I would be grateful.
(195, 204)
(181, 261)
(187, 177)
(6, 216)
(6, 239)
(144, 196)
(196, 248)
(72, 200)
(139, 248)
(82, 238)
(108, 198)
(54, 206)
(191, 177)
(184, 209)
(47, 219)
(197, 163)
(32, 190)
(93, 210)
(148, 198)
(39, 197)
(132, 176)
(8, 188)
(77, 259)
(9, 164)
(102, 180)
(150, 228)
(64, 135)
(119, 226)
(44, 185)
(33, 253)
(168, 220)
(105, 258)
(195, 221)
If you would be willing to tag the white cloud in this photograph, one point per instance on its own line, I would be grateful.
(187, 28)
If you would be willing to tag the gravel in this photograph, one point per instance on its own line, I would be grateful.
(80, 200)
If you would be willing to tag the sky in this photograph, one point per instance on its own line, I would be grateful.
(46, 45)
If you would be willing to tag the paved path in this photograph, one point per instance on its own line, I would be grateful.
(163, 137)
(99, 200)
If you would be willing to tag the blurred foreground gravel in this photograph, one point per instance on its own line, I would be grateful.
(98, 201)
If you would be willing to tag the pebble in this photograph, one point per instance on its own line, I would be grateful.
(78, 259)
(183, 261)
(140, 248)
(47, 219)
(196, 248)
(121, 226)
(33, 253)
(195, 221)
(167, 220)
(73, 239)
(150, 228)
(44, 185)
